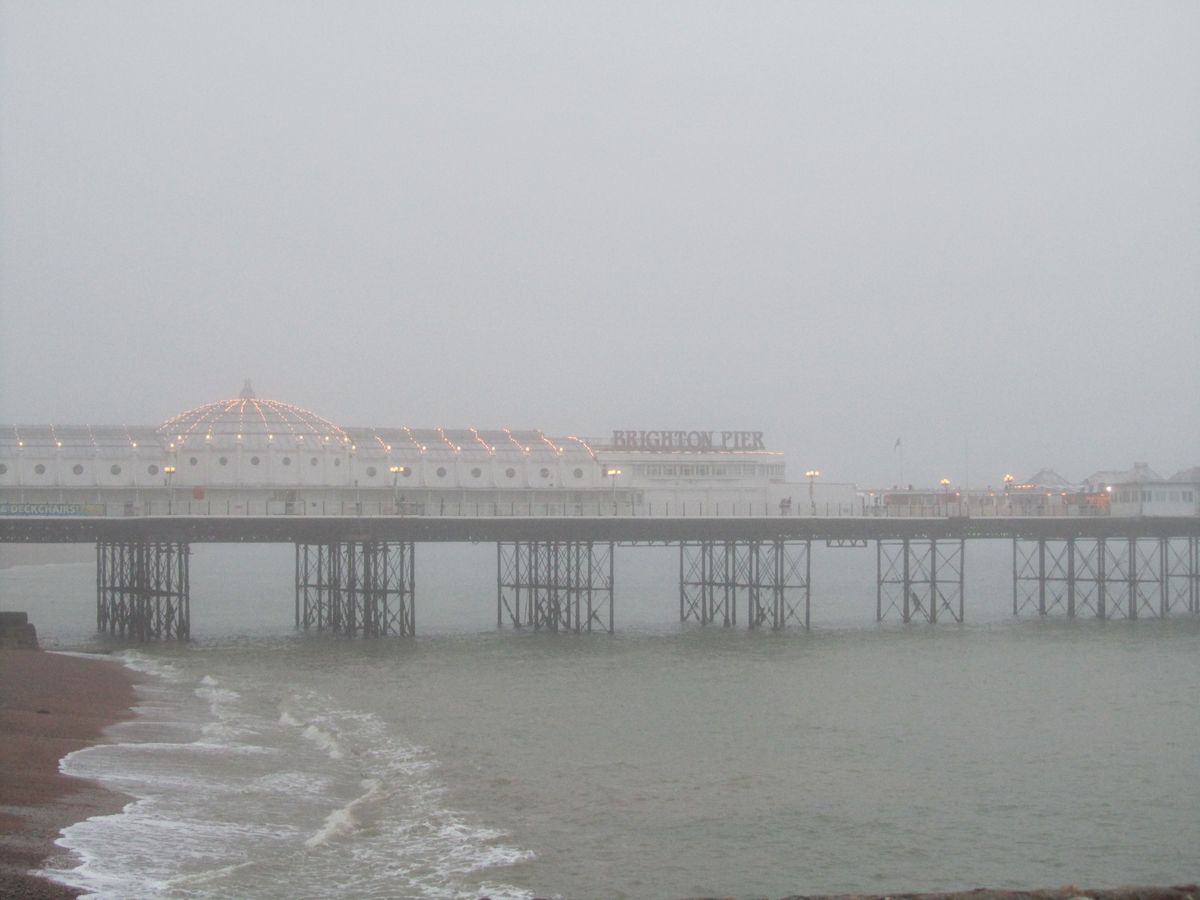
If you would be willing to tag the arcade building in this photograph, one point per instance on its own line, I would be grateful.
(253, 456)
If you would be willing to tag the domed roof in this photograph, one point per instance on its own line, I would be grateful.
(251, 423)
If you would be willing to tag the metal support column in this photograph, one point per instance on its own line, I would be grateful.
(143, 589)
(565, 585)
(1128, 577)
(773, 576)
(356, 587)
(920, 578)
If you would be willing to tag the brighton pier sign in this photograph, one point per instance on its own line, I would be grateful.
(687, 440)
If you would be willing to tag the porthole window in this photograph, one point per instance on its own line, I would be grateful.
(152, 469)
(545, 472)
(40, 469)
(407, 471)
(510, 473)
(3, 468)
(370, 471)
(476, 472)
(441, 472)
(116, 470)
(77, 469)
(337, 462)
(579, 473)
(224, 460)
(254, 460)
(287, 460)
(193, 461)
(313, 461)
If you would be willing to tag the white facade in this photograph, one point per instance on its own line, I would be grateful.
(251, 456)
(1154, 498)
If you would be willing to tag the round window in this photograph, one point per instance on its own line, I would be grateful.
(370, 471)
(3, 468)
(40, 469)
(407, 471)
(476, 472)
(193, 461)
(337, 462)
(287, 460)
(116, 470)
(152, 469)
(579, 473)
(510, 473)
(313, 461)
(441, 472)
(545, 472)
(224, 460)
(254, 460)
(77, 469)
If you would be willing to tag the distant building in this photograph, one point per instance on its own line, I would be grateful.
(1140, 491)
(252, 456)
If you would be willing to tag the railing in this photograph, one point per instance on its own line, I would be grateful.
(621, 508)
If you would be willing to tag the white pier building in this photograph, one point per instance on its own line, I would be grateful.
(252, 456)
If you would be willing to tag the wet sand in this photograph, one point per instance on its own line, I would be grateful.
(50, 705)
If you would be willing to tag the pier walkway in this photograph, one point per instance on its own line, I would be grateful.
(356, 574)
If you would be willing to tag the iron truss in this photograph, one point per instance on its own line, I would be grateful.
(919, 579)
(773, 577)
(1107, 577)
(555, 585)
(143, 590)
(356, 587)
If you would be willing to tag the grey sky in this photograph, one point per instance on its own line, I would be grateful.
(972, 226)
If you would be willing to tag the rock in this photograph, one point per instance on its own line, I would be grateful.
(17, 632)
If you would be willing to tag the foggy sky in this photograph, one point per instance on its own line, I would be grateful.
(975, 227)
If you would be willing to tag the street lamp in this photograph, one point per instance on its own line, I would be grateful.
(169, 471)
(811, 475)
(396, 471)
(613, 474)
(945, 483)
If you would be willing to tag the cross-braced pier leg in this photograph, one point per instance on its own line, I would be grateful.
(920, 579)
(555, 585)
(1133, 579)
(782, 591)
(356, 587)
(1044, 576)
(1109, 578)
(1178, 569)
(707, 582)
(772, 576)
(143, 590)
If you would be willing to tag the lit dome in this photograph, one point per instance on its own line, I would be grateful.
(251, 423)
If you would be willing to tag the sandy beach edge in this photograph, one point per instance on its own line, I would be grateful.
(51, 704)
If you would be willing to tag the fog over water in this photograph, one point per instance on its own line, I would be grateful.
(970, 226)
(662, 761)
(957, 238)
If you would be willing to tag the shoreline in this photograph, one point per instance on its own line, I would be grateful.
(51, 704)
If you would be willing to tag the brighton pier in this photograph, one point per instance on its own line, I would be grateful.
(356, 503)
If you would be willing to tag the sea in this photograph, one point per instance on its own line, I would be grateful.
(666, 760)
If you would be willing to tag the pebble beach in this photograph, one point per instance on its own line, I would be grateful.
(51, 704)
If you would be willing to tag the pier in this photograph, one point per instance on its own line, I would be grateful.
(358, 575)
